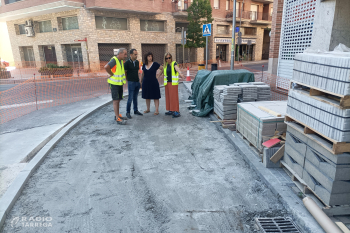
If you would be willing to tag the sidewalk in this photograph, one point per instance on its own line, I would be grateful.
(23, 137)
(275, 178)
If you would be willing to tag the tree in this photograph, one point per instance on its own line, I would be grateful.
(199, 13)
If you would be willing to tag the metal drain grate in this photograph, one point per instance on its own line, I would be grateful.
(278, 225)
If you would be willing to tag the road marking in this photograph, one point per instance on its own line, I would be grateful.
(25, 104)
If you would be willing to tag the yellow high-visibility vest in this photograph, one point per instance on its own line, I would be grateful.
(118, 77)
(174, 75)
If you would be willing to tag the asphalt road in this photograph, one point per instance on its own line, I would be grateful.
(155, 174)
(4, 87)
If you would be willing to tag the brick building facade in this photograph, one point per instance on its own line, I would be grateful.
(83, 33)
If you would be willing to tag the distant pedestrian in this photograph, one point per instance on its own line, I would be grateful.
(171, 74)
(132, 76)
(150, 84)
(115, 68)
(218, 62)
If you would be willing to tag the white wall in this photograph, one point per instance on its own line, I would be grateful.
(5, 45)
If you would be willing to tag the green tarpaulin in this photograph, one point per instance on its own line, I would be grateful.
(203, 86)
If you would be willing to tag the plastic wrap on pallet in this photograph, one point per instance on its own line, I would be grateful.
(329, 72)
(257, 125)
(327, 119)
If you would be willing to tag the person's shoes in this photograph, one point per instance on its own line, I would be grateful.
(120, 121)
(176, 114)
(138, 113)
(169, 113)
(128, 115)
(121, 117)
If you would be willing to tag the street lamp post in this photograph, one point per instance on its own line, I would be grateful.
(233, 35)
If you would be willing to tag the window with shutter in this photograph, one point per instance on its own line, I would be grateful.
(216, 4)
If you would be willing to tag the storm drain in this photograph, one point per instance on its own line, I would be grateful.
(276, 225)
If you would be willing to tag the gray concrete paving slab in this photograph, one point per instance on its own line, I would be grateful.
(21, 143)
(155, 174)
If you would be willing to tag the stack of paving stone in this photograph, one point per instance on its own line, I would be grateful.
(249, 93)
(327, 119)
(218, 89)
(326, 174)
(225, 106)
(326, 71)
(258, 126)
(264, 92)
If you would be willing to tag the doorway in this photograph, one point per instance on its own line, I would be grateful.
(253, 12)
(50, 54)
(29, 59)
(74, 56)
(244, 52)
(221, 51)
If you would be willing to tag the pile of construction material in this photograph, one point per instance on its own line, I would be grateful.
(316, 141)
(327, 71)
(259, 121)
(254, 91)
(225, 101)
(226, 97)
(264, 92)
(325, 173)
(327, 119)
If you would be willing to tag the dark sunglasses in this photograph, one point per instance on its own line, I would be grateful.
(167, 58)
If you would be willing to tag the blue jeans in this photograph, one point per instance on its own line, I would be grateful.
(133, 89)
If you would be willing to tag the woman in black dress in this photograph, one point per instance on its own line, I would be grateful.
(150, 84)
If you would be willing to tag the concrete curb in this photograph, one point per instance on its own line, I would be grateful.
(31, 154)
(290, 201)
(14, 191)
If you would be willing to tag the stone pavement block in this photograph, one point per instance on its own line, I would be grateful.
(297, 168)
(340, 186)
(327, 197)
(268, 153)
(291, 150)
(318, 144)
(332, 199)
(326, 166)
(296, 143)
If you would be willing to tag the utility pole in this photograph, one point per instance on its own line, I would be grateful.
(183, 46)
(233, 35)
(240, 33)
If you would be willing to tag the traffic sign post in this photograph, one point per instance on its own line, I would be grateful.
(233, 35)
(206, 33)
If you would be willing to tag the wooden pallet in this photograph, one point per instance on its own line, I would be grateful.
(302, 186)
(337, 148)
(342, 101)
(227, 124)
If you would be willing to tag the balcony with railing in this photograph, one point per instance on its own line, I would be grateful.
(252, 16)
(180, 7)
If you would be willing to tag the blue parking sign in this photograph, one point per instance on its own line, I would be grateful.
(207, 29)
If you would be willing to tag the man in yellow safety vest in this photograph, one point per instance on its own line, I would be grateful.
(115, 68)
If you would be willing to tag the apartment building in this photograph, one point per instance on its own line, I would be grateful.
(84, 33)
(254, 16)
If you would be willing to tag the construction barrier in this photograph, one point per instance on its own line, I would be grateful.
(28, 90)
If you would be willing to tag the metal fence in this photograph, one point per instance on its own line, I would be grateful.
(34, 91)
